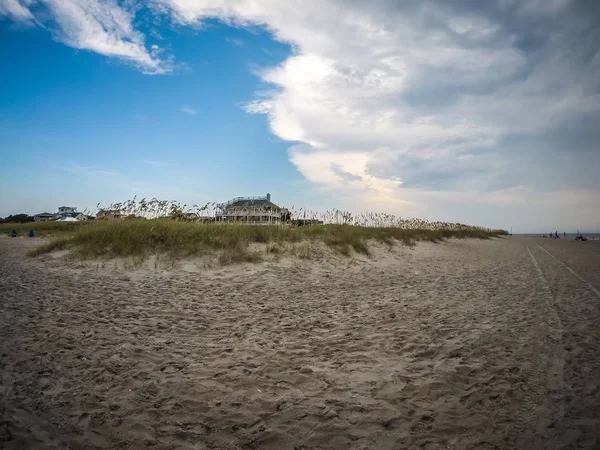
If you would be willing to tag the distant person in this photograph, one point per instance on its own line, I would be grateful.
(565, 235)
(556, 234)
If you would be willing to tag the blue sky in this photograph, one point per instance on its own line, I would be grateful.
(479, 113)
(78, 128)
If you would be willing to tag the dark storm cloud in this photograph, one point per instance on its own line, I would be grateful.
(560, 44)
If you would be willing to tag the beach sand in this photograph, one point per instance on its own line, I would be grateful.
(463, 345)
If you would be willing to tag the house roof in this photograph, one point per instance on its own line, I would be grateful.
(262, 202)
(256, 202)
(45, 214)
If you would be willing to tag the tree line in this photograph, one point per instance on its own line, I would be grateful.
(17, 218)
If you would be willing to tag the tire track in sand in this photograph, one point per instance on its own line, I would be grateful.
(547, 397)
(588, 284)
(521, 433)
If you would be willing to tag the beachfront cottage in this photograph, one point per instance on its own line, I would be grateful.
(109, 214)
(44, 217)
(70, 213)
(66, 210)
(250, 210)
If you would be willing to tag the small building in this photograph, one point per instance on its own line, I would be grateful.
(109, 214)
(44, 217)
(63, 213)
(249, 210)
(66, 210)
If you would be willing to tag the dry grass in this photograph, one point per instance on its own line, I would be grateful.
(40, 228)
(238, 254)
(142, 238)
(304, 250)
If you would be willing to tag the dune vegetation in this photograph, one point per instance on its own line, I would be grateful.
(41, 229)
(141, 238)
(153, 228)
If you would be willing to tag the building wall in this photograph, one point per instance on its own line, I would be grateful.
(255, 220)
(42, 219)
(249, 215)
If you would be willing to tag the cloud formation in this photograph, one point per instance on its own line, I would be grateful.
(423, 106)
(402, 100)
(18, 10)
(237, 42)
(188, 110)
(101, 26)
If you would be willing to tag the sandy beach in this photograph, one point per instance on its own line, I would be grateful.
(470, 344)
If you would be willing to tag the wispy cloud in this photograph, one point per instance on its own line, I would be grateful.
(101, 26)
(188, 110)
(157, 163)
(89, 172)
(18, 10)
(234, 41)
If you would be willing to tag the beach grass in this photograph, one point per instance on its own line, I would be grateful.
(142, 238)
(41, 229)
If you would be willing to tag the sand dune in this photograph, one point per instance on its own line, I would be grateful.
(462, 345)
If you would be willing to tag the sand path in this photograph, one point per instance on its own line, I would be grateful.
(462, 345)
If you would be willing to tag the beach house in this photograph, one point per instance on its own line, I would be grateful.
(69, 213)
(66, 210)
(109, 214)
(250, 210)
(44, 217)
(64, 213)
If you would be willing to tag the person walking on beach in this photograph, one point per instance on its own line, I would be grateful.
(564, 234)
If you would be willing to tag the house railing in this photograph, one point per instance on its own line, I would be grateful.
(248, 212)
(238, 199)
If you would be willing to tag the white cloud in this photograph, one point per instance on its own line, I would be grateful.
(234, 41)
(101, 26)
(18, 10)
(391, 87)
(188, 110)
(405, 105)
(158, 163)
